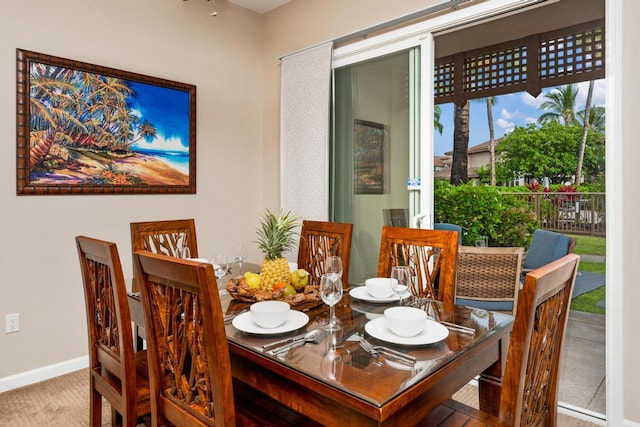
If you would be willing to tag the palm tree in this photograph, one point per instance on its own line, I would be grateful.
(597, 120)
(437, 125)
(560, 103)
(459, 173)
(585, 132)
(490, 102)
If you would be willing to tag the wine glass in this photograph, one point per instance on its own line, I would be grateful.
(333, 267)
(184, 252)
(331, 364)
(240, 255)
(220, 268)
(401, 282)
(331, 293)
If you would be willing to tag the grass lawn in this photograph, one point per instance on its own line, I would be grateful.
(587, 302)
(590, 245)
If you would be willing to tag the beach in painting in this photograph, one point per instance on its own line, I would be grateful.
(92, 167)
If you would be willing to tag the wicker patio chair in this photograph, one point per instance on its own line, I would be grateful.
(489, 278)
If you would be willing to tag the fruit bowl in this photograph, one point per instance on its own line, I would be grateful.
(308, 297)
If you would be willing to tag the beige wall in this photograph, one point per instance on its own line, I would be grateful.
(629, 89)
(171, 39)
(238, 122)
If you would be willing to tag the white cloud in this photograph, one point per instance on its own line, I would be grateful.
(505, 124)
(531, 101)
(161, 144)
(505, 114)
(599, 94)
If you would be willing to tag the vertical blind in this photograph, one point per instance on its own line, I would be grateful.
(304, 132)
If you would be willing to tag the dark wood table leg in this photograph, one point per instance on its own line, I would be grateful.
(490, 382)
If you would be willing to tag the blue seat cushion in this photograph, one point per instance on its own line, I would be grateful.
(546, 246)
(449, 227)
(486, 305)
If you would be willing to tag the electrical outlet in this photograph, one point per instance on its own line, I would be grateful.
(13, 323)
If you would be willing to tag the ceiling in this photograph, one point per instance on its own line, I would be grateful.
(260, 6)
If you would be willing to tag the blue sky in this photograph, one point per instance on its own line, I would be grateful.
(516, 109)
(168, 110)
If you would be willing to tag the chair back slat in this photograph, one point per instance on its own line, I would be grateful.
(189, 356)
(530, 387)
(163, 237)
(321, 239)
(430, 254)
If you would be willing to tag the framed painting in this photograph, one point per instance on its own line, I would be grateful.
(371, 162)
(88, 129)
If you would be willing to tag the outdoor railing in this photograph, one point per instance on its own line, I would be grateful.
(566, 212)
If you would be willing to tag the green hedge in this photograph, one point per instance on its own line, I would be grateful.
(483, 211)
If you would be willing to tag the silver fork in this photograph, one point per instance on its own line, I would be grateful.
(396, 355)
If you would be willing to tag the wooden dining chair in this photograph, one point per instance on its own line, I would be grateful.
(489, 277)
(163, 237)
(431, 255)
(529, 392)
(318, 240)
(117, 372)
(189, 364)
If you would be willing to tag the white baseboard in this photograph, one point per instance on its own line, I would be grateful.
(628, 423)
(44, 373)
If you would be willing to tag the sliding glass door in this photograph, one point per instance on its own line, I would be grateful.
(376, 151)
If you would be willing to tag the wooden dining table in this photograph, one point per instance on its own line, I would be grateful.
(360, 389)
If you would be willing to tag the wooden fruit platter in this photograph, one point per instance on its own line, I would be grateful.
(308, 297)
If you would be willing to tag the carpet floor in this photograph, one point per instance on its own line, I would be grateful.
(64, 401)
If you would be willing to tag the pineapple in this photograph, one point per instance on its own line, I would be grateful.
(276, 235)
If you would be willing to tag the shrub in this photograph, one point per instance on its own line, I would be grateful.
(483, 211)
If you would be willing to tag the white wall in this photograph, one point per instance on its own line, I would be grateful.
(170, 39)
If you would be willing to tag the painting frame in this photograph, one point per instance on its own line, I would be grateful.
(89, 129)
(371, 157)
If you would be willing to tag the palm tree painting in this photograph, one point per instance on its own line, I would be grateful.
(90, 129)
(370, 157)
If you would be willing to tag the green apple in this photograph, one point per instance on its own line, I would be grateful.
(252, 279)
(299, 278)
(289, 290)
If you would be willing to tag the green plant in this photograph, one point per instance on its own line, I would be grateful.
(482, 211)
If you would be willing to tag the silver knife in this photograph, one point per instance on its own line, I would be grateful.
(283, 342)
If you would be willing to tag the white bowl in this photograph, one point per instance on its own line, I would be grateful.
(379, 287)
(270, 314)
(405, 321)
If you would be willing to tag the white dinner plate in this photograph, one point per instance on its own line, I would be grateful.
(432, 333)
(296, 320)
(361, 293)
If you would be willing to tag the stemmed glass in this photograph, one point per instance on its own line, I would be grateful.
(331, 293)
(331, 364)
(240, 255)
(220, 268)
(333, 267)
(401, 282)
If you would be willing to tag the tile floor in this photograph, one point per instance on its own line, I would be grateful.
(582, 370)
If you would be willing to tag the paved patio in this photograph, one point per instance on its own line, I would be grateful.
(582, 370)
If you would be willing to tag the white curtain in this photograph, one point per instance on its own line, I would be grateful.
(304, 132)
